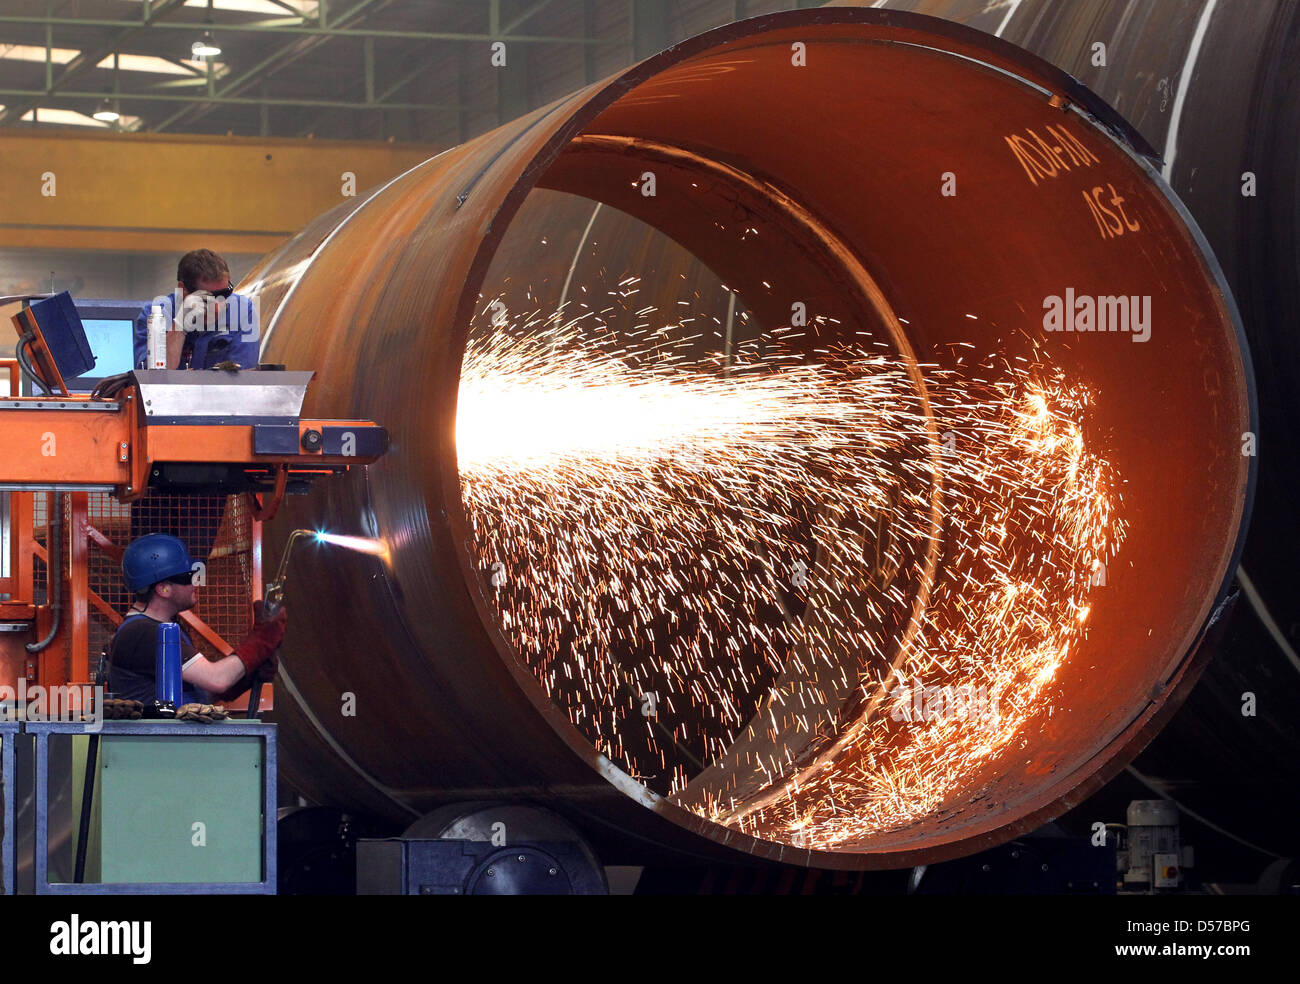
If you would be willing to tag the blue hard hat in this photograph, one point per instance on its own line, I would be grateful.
(154, 558)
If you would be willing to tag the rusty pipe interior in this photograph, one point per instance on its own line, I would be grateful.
(805, 156)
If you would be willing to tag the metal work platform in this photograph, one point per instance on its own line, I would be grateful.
(177, 808)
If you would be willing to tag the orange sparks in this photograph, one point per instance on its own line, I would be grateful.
(785, 589)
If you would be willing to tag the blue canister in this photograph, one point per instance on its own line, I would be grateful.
(168, 665)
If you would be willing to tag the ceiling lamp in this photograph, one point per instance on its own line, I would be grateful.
(106, 113)
(206, 46)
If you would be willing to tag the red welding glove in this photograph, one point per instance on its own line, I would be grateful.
(266, 672)
(259, 613)
(262, 642)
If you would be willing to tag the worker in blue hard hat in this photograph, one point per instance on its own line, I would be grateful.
(160, 574)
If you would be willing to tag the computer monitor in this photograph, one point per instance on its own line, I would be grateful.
(110, 329)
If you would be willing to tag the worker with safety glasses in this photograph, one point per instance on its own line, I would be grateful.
(216, 328)
(159, 573)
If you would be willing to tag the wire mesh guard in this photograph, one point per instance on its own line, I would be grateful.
(217, 529)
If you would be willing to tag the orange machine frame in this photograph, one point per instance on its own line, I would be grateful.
(47, 668)
(112, 448)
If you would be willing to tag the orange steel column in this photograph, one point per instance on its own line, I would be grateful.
(7, 582)
(77, 604)
(49, 665)
(23, 515)
(255, 536)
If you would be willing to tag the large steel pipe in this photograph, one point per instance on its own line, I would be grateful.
(832, 135)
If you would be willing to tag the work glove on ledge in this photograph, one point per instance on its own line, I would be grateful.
(116, 709)
(206, 713)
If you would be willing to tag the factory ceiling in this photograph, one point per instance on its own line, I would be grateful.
(406, 70)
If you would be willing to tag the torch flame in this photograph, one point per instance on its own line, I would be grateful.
(361, 544)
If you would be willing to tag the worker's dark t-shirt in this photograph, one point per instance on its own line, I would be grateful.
(133, 661)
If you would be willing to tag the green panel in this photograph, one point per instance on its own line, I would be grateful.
(155, 789)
